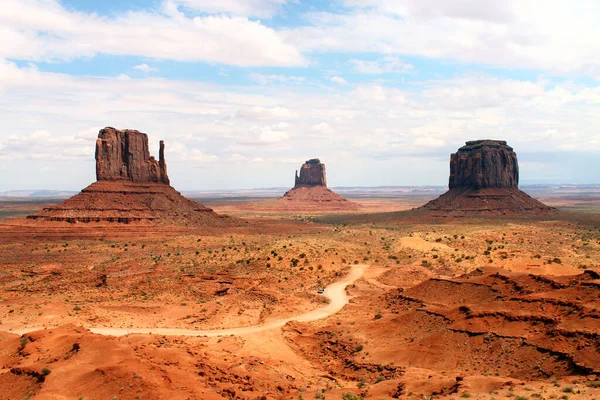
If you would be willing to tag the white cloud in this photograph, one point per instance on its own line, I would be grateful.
(198, 155)
(145, 68)
(382, 66)
(264, 113)
(238, 158)
(322, 127)
(379, 93)
(43, 145)
(557, 36)
(429, 142)
(256, 8)
(267, 79)
(45, 30)
(270, 134)
(339, 80)
(52, 119)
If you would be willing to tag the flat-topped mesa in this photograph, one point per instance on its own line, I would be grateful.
(484, 164)
(312, 173)
(124, 155)
(484, 180)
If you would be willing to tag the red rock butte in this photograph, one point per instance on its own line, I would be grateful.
(310, 191)
(132, 186)
(484, 179)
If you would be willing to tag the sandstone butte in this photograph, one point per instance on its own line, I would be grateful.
(131, 186)
(310, 191)
(484, 179)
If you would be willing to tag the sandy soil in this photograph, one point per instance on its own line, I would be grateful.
(455, 308)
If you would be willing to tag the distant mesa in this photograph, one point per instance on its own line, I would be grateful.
(132, 186)
(312, 173)
(484, 178)
(310, 192)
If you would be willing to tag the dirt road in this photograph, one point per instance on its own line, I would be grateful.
(336, 293)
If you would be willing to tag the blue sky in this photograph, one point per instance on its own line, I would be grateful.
(243, 91)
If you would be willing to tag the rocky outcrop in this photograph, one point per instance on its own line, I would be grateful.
(124, 155)
(310, 192)
(484, 179)
(312, 173)
(131, 187)
(484, 164)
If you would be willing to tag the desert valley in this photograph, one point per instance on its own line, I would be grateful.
(129, 290)
(299, 199)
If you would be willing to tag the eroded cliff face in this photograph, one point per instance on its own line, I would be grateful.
(124, 155)
(484, 164)
(312, 173)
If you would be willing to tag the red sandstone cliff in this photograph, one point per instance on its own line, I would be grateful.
(124, 155)
(484, 179)
(131, 187)
(312, 173)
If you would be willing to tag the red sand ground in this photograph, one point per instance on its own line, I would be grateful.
(464, 308)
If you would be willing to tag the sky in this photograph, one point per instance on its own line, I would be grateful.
(244, 91)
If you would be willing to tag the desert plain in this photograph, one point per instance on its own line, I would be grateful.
(414, 306)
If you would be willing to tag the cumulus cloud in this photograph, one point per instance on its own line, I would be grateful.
(269, 134)
(145, 68)
(48, 117)
(43, 145)
(265, 113)
(256, 8)
(551, 35)
(322, 127)
(379, 93)
(45, 30)
(268, 79)
(383, 66)
(338, 79)
(429, 142)
(199, 155)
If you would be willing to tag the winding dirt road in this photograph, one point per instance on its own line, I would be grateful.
(336, 293)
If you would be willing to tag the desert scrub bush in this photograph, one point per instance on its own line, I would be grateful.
(362, 383)
(351, 396)
(23, 342)
(465, 395)
(358, 348)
